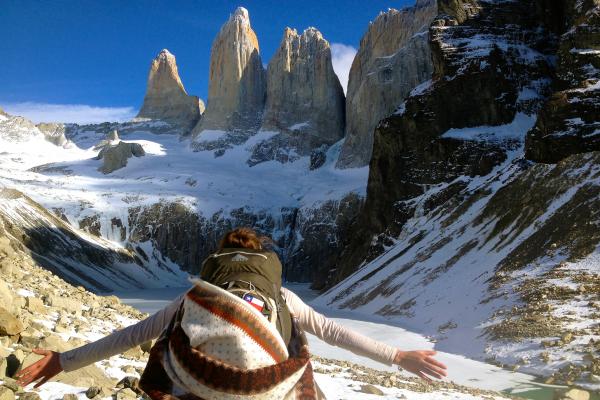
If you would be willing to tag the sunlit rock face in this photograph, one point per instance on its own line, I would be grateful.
(237, 85)
(305, 100)
(393, 58)
(166, 98)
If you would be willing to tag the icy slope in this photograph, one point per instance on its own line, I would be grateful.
(506, 269)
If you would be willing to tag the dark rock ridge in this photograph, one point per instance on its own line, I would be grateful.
(392, 59)
(569, 123)
(305, 101)
(166, 98)
(305, 238)
(485, 56)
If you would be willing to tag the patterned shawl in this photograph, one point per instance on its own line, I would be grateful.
(218, 347)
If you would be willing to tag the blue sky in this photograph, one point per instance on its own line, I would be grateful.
(92, 57)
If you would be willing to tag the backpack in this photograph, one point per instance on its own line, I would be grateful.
(255, 276)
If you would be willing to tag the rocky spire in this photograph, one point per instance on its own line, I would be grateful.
(304, 95)
(166, 98)
(236, 89)
(392, 59)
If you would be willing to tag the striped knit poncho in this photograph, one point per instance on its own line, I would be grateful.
(218, 347)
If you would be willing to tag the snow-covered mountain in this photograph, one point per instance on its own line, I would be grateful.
(475, 221)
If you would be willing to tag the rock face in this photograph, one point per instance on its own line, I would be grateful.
(54, 133)
(475, 83)
(392, 59)
(236, 88)
(115, 156)
(569, 121)
(304, 237)
(166, 98)
(305, 101)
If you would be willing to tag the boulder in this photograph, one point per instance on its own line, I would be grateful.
(370, 389)
(236, 87)
(6, 393)
(9, 325)
(99, 391)
(393, 58)
(166, 98)
(64, 303)
(6, 295)
(305, 100)
(126, 394)
(35, 305)
(115, 156)
(572, 394)
(29, 396)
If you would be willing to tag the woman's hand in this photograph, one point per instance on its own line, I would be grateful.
(46, 368)
(421, 363)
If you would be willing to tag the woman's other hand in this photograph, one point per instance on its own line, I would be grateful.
(421, 363)
(46, 368)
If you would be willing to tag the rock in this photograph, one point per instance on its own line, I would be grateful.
(307, 118)
(70, 396)
(3, 367)
(12, 385)
(6, 393)
(55, 343)
(70, 305)
(166, 98)
(236, 88)
(135, 353)
(54, 133)
(393, 58)
(572, 394)
(115, 156)
(130, 382)
(35, 305)
(370, 389)
(126, 394)
(6, 295)
(99, 391)
(29, 396)
(9, 325)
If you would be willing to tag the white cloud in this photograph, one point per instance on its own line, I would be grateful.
(74, 113)
(342, 56)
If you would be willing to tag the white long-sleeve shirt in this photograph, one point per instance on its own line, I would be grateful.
(309, 320)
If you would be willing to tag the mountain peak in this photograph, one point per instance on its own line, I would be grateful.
(240, 13)
(166, 98)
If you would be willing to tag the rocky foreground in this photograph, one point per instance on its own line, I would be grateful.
(40, 310)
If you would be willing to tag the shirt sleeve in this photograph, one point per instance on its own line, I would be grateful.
(121, 340)
(335, 334)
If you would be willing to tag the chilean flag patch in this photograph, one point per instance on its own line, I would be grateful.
(256, 303)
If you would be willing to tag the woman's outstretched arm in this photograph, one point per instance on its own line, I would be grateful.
(419, 362)
(115, 343)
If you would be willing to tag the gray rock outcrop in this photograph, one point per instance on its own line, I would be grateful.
(54, 133)
(236, 89)
(305, 100)
(166, 98)
(393, 58)
(115, 156)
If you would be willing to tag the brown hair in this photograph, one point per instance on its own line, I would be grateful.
(245, 238)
